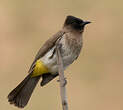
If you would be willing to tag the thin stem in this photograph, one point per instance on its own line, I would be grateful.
(62, 79)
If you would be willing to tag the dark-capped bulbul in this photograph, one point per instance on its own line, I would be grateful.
(45, 62)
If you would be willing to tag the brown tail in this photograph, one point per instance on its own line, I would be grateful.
(22, 93)
(46, 78)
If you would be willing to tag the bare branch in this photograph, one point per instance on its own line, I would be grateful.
(62, 79)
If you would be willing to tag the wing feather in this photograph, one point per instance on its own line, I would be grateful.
(46, 47)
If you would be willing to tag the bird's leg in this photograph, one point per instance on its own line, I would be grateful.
(64, 83)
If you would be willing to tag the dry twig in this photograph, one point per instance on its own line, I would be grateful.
(62, 79)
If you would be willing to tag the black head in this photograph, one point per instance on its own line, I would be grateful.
(75, 23)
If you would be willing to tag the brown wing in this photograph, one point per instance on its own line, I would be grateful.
(45, 48)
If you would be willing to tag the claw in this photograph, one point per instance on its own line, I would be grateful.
(64, 83)
(58, 80)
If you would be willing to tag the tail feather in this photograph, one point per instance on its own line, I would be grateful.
(46, 78)
(22, 93)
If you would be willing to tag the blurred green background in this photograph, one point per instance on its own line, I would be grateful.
(95, 80)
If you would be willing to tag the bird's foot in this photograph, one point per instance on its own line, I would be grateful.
(64, 82)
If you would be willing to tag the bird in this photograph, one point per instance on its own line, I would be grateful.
(45, 62)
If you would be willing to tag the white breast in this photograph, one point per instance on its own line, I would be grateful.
(51, 63)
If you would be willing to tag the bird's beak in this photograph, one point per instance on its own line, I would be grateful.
(86, 22)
